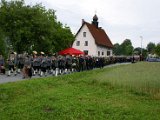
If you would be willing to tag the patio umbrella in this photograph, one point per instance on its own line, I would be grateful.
(70, 51)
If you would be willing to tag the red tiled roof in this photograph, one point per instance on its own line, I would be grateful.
(100, 36)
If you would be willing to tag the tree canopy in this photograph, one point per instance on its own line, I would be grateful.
(28, 28)
(157, 49)
(151, 47)
(125, 48)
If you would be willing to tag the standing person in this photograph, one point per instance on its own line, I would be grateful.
(101, 62)
(49, 64)
(56, 63)
(12, 63)
(43, 64)
(97, 63)
(69, 64)
(53, 65)
(74, 64)
(20, 62)
(2, 64)
(61, 63)
(81, 63)
(35, 63)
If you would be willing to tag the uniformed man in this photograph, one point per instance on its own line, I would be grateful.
(56, 64)
(81, 63)
(61, 64)
(43, 65)
(69, 64)
(36, 61)
(49, 64)
(20, 62)
(75, 64)
(12, 63)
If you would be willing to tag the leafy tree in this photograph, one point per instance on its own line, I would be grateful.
(126, 47)
(3, 45)
(117, 49)
(157, 49)
(137, 51)
(151, 47)
(30, 28)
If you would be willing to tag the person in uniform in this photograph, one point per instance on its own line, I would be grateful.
(12, 64)
(2, 64)
(35, 63)
(81, 63)
(20, 62)
(43, 65)
(49, 64)
(69, 64)
(74, 64)
(56, 64)
(61, 64)
(53, 59)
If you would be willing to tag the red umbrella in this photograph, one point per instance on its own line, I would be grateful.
(71, 51)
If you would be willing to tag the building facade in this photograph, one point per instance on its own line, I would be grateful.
(93, 40)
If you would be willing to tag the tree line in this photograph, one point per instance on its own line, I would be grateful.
(27, 28)
(127, 49)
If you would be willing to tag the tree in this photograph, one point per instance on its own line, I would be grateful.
(137, 51)
(3, 47)
(126, 47)
(117, 49)
(157, 49)
(30, 28)
(151, 47)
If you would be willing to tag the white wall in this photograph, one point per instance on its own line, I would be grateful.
(104, 50)
(92, 47)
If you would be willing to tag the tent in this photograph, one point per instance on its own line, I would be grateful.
(70, 51)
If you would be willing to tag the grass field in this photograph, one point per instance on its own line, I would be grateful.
(126, 92)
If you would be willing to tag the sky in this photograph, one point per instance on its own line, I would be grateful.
(137, 20)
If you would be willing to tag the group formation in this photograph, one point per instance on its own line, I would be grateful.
(46, 64)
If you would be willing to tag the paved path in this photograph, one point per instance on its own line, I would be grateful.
(18, 77)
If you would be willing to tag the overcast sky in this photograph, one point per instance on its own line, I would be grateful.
(120, 19)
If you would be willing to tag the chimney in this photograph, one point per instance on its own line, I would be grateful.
(83, 21)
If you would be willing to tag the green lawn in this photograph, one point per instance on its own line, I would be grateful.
(126, 92)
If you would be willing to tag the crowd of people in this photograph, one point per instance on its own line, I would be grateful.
(44, 64)
(47, 64)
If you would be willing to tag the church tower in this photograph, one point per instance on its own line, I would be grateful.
(95, 21)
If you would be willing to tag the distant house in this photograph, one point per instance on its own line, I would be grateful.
(93, 40)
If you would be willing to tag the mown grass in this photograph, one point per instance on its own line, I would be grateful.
(126, 92)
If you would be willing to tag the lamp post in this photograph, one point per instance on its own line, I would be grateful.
(141, 46)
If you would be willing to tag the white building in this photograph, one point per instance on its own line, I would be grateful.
(93, 40)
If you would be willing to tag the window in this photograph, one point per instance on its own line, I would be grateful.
(86, 43)
(108, 53)
(85, 52)
(84, 34)
(98, 53)
(102, 53)
(78, 43)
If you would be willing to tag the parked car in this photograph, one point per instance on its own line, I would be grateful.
(151, 59)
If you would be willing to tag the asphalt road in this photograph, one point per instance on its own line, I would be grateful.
(19, 77)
